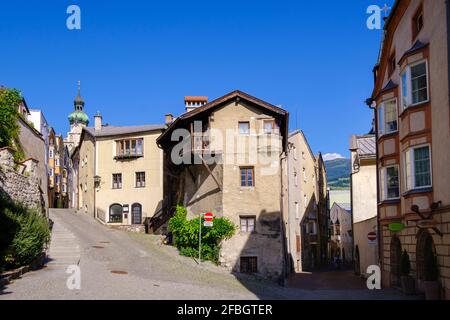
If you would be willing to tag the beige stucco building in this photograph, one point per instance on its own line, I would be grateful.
(306, 219)
(341, 240)
(411, 98)
(120, 175)
(247, 137)
(363, 181)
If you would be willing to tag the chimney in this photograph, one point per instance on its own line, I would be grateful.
(98, 121)
(169, 118)
(192, 102)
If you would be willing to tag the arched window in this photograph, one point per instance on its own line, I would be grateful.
(115, 213)
(136, 214)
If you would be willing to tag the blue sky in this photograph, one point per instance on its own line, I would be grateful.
(137, 59)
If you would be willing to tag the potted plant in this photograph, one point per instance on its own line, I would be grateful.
(407, 281)
(431, 277)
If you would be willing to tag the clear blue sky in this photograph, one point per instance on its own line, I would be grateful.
(137, 59)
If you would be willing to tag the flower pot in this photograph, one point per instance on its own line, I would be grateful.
(432, 290)
(408, 285)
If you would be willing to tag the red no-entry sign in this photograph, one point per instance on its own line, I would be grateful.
(372, 236)
(209, 216)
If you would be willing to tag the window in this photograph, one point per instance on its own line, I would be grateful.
(50, 153)
(305, 199)
(417, 22)
(115, 213)
(140, 179)
(249, 264)
(297, 210)
(387, 117)
(392, 64)
(52, 172)
(296, 179)
(390, 187)
(136, 214)
(305, 178)
(129, 148)
(57, 162)
(57, 179)
(418, 167)
(269, 126)
(294, 152)
(247, 224)
(311, 228)
(415, 84)
(244, 128)
(303, 155)
(64, 188)
(117, 181)
(247, 177)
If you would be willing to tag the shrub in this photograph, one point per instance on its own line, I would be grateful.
(405, 264)
(23, 234)
(185, 235)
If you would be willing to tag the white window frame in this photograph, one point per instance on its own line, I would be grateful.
(412, 169)
(384, 181)
(407, 70)
(382, 124)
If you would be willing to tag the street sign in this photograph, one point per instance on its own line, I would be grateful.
(209, 216)
(396, 227)
(372, 237)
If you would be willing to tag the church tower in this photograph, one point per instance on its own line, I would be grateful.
(78, 119)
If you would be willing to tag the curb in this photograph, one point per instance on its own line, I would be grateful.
(37, 263)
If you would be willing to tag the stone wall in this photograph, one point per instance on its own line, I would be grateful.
(19, 181)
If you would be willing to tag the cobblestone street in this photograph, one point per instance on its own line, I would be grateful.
(119, 265)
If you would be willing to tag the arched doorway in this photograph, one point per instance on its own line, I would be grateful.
(136, 214)
(357, 262)
(115, 213)
(396, 254)
(425, 248)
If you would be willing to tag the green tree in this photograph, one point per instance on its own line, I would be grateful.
(185, 235)
(9, 128)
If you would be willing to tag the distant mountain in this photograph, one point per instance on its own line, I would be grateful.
(338, 173)
(332, 156)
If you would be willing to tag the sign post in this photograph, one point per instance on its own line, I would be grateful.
(209, 216)
(372, 237)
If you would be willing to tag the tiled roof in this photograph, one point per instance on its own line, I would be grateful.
(123, 130)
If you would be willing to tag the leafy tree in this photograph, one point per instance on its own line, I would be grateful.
(185, 234)
(9, 128)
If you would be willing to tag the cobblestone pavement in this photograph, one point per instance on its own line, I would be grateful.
(119, 265)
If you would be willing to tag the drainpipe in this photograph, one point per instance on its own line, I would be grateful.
(285, 239)
(372, 105)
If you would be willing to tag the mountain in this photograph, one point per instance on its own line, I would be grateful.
(338, 173)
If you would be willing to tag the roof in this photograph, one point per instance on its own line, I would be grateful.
(416, 47)
(365, 146)
(195, 98)
(108, 131)
(346, 206)
(219, 102)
